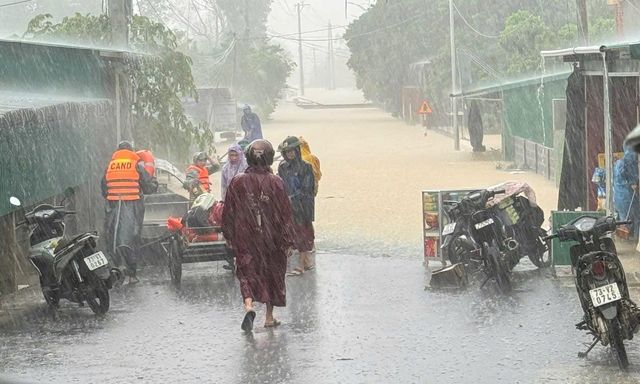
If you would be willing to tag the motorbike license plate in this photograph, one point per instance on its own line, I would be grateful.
(448, 229)
(483, 224)
(96, 260)
(605, 294)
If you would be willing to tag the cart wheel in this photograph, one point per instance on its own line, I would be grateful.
(175, 262)
(230, 258)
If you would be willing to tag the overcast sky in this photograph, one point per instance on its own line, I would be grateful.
(316, 15)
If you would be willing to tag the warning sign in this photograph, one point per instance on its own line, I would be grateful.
(425, 108)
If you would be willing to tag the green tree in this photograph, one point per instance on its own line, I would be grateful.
(230, 48)
(161, 76)
(602, 30)
(494, 40)
(523, 37)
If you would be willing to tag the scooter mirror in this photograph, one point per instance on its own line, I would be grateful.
(633, 139)
(15, 201)
(69, 192)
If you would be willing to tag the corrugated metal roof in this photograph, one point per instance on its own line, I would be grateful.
(510, 84)
(104, 51)
(13, 101)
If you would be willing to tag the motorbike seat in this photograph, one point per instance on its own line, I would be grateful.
(66, 241)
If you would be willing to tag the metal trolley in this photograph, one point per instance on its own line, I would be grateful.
(177, 242)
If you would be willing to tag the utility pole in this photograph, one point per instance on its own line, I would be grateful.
(120, 15)
(619, 12)
(299, 7)
(583, 21)
(246, 18)
(120, 12)
(454, 101)
(315, 68)
(332, 74)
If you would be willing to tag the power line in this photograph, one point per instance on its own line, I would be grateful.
(411, 19)
(155, 10)
(633, 6)
(15, 3)
(277, 34)
(470, 26)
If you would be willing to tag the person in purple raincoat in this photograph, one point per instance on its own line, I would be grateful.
(236, 164)
(257, 223)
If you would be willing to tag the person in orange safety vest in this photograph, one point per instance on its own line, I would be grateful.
(125, 182)
(149, 161)
(197, 175)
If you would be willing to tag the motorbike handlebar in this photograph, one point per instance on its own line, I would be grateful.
(499, 192)
(624, 222)
(550, 237)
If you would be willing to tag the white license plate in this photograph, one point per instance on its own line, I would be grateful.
(448, 229)
(96, 260)
(605, 294)
(483, 224)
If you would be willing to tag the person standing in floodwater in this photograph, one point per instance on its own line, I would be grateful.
(300, 185)
(257, 223)
(250, 124)
(125, 182)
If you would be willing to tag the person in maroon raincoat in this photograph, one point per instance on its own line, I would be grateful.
(257, 223)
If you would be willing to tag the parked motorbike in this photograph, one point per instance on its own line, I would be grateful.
(476, 238)
(68, 268)
(609, 314)
(522, 222)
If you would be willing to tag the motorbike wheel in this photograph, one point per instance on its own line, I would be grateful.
(542, 257)
(175, 262)
(501, 274)
(617, 343)
(99, 304)
(459, 251)
(51, 297)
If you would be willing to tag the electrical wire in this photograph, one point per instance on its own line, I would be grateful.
(277, 34)
(470, 26)
(410, 19)
(630, 3)
(15, 3)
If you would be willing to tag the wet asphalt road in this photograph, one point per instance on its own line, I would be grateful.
(356, 319)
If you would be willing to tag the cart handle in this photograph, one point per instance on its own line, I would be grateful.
(214, 227)
(157, 241)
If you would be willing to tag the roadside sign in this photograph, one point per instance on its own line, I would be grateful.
(425, 108)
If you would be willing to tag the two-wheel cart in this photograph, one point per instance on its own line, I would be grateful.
(168, 234)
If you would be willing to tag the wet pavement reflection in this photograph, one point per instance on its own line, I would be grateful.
(354, 319)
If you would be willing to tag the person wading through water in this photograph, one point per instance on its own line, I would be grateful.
(257, 223)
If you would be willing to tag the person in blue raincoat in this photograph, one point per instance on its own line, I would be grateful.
(250, 124)
(625, 189)
(599, 179)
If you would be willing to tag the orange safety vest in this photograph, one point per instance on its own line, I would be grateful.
(123, 179)
(203, 176)
(149, 161)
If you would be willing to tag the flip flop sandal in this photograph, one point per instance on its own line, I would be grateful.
(274, 324)
(296, 272)
(247, 322)
(310, 268)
